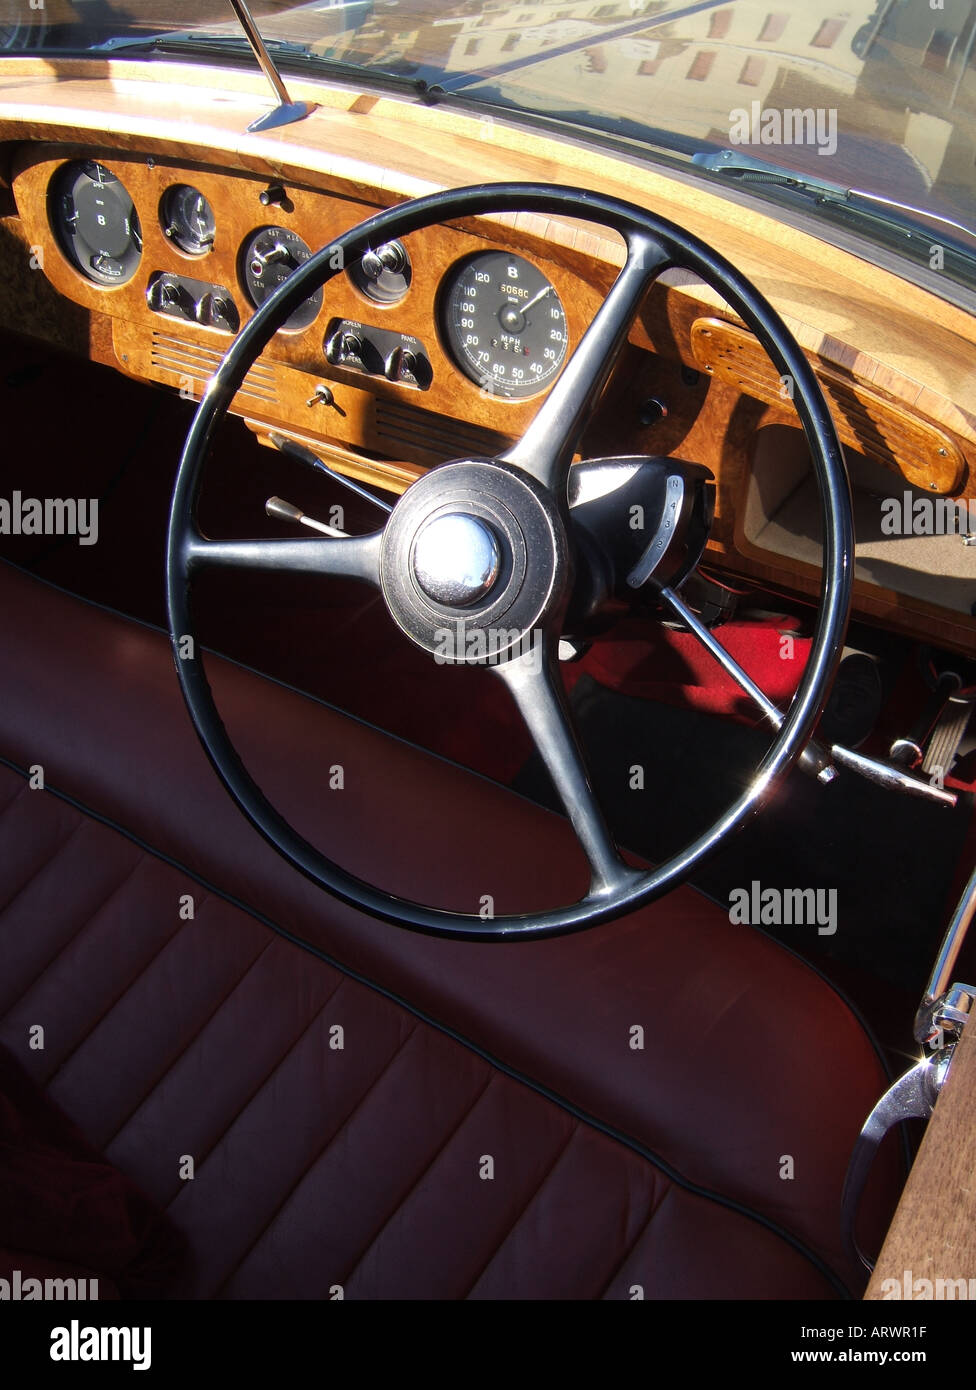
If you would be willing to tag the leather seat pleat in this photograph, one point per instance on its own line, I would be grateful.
(226, 1064)
(158, 1017)
(289, 1133)
(366, 1172)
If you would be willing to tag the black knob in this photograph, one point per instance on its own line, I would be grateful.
(163, 295)
(402, 365)
(346, 349)
(651, 412)
(274, 193)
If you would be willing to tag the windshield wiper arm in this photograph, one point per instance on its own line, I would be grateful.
(190, 40)
(745, 169)
(287, 110)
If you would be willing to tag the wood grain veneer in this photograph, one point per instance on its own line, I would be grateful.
(885, 380)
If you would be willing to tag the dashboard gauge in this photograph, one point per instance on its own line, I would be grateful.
(504, 324)
(383, 275)
(268, 257)
(188, 219)
(96, 223)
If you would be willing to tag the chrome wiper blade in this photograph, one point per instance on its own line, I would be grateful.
(194, 39)
(200, 42)
(114, 45)
(745, 168)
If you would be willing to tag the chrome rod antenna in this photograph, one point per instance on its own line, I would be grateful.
(287, 110)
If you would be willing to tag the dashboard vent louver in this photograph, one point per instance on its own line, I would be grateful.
(403, 427)
(169, 356)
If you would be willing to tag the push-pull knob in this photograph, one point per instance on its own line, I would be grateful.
(213, 310)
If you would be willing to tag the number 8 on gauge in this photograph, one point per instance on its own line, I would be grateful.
(504, 324)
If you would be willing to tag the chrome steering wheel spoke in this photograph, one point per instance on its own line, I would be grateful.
(352, 557)
(546, 449)
(535, 685)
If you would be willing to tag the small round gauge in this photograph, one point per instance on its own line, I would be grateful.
(504, 324)
(383, 274)
(95, 222)
(268, 257)
(188, 219)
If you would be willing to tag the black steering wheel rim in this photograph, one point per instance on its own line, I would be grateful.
(682, 250)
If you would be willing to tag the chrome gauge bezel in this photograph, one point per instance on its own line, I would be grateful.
(108, 255)
(177, 221)
(490, 351)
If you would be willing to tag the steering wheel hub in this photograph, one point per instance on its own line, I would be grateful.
(474, 556)
(456, 559)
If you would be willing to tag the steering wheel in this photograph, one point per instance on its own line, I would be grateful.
(489, 546)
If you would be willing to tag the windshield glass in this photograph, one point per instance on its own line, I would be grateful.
(879, 95)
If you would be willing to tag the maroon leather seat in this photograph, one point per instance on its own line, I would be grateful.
(341, 1103)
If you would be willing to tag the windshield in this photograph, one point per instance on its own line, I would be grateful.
(878, 95)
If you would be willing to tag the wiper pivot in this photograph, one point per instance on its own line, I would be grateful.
(287, 111)
(746, 169)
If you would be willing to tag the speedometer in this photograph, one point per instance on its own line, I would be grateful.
(504, 324)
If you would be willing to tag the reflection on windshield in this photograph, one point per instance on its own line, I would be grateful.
(878, 94)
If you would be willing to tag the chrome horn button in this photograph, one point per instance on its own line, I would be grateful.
(456, 559)
(510, 561)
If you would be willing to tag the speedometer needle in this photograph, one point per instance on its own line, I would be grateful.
(524, 308)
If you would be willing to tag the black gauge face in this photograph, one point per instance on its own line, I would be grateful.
(95, 222)
(188, 219)
(268, 257)
(504, 324)
(383, 274)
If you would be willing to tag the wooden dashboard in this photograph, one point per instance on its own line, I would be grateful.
(897, 364)
(423, 425)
